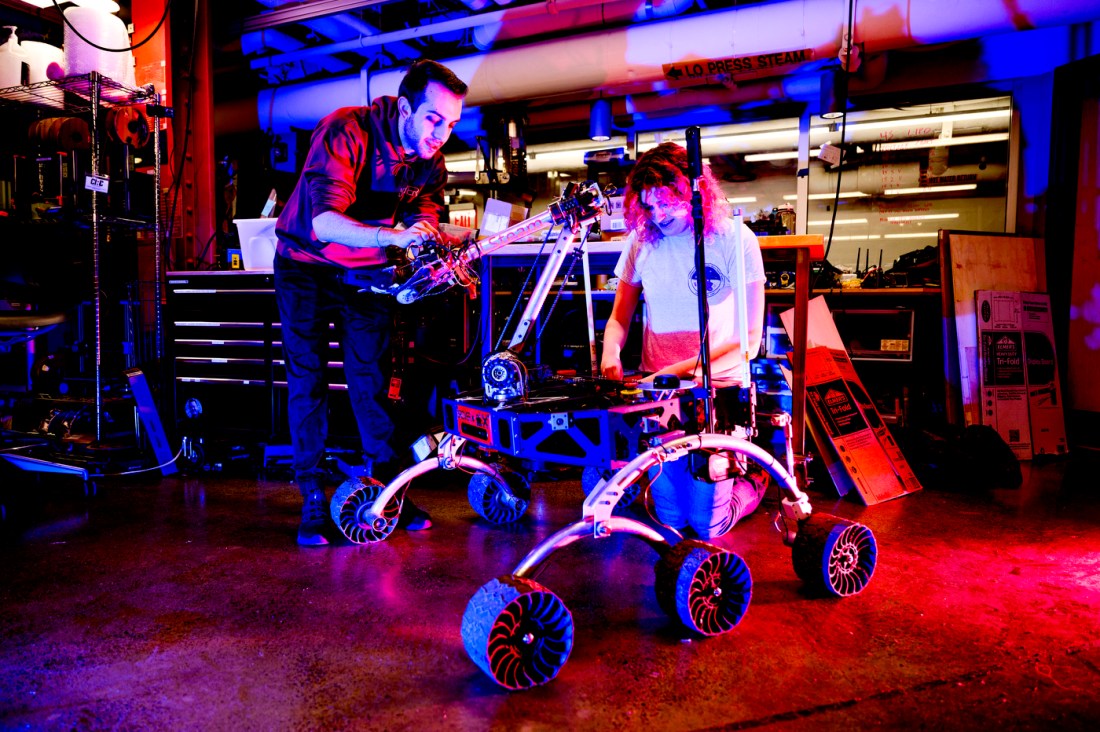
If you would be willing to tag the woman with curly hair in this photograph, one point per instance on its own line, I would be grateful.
(659, 261)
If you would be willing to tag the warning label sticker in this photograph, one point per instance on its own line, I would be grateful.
(758, 65)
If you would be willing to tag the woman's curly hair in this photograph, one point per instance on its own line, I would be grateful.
(667, 165)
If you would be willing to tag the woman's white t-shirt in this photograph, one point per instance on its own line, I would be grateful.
(665, 270)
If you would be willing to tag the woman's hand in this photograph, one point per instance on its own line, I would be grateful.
(611, 366)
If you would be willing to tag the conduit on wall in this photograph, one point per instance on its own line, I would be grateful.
(632, 58)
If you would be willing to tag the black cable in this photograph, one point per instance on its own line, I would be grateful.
(167, 8)
(206, 247)
(553, 304)
(843, 129)
(522, 289)
(469, 354)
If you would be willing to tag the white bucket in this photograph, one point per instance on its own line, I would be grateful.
(257, 242)
(102, 29)
(39, 57)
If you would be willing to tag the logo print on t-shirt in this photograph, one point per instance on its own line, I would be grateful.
(716, 281)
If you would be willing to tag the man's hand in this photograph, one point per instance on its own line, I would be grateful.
(419, 233)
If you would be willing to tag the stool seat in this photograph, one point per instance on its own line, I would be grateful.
(20, 326)
(22, 320)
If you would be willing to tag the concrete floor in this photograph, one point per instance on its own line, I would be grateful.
(184, 603)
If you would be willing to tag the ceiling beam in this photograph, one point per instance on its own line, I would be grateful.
(300, 12)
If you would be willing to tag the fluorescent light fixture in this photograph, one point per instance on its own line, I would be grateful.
(839, 222)
(461, 166)
(939, 142)
(934, 119)
(761, 157)
(930, 189)
(919, 235)
(741, 199)
(109, 6)
(827, 196)
(856, 238)
(923, 217)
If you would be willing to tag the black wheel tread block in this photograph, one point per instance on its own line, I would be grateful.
(706, 588)
(593, 475)
(518, 632)
(833, 556)
(351, 502)
(496, 503)
(192, 463)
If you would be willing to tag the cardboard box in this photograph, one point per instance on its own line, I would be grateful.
(1004, 400)
(1021, 391)
(851, 436)
(858, 447)
(1048, 426)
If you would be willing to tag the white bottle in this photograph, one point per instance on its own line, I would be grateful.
(12, 59)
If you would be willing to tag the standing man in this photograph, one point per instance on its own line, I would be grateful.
(658, 260)
(373, 178)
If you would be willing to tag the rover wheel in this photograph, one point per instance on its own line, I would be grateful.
(496, 502)
(834, 556)
(708, 589)
(518, 632)
(591, 477)
(350, 508)
(192, 459)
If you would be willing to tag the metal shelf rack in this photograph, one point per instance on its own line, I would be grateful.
(90, 94)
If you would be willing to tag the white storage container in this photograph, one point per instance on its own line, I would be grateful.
(12, 59)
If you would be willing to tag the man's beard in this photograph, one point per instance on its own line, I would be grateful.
(408, 131)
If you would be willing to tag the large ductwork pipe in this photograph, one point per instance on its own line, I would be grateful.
(577, 14)
(633, 57)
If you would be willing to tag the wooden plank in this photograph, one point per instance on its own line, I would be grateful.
(975, 261)
(813, 243)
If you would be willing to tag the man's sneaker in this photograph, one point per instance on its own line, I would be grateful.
(414, 518)
(314, 514)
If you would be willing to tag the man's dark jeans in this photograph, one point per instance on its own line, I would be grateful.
(310, 297)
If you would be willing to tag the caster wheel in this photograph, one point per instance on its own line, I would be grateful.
(350, 508)
(192, 460)
(592, 476)
(834, 556)
(708, 589)
(497, 503)
(518, 632)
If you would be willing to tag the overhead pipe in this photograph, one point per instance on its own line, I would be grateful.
(339, 27)
(259, 41)
(418, 32)
(576, 14)
(634, 57)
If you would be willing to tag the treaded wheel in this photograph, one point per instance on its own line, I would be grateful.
(350, 508)
(834, 556)
(518, 632)
(708, 589)
(193, 459)
(496, 502)
(591, 477)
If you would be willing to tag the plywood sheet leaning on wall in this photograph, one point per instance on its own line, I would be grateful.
(973, 261)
